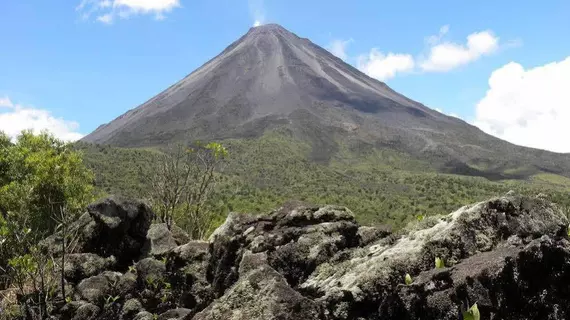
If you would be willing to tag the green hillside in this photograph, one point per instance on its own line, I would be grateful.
(381, 186)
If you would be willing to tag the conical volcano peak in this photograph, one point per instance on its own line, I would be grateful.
(269, 29)
(271, 79)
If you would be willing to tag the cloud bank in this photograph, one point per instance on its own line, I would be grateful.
(385, 66)
(529, 107)
(440, 56)
(14, 118)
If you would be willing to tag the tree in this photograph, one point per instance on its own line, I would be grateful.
(182, 183)
(39, 175)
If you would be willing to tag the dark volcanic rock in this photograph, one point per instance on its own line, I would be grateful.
(159, 240)
(262, 293)
(83, 265)
(509, 255)
(121, 229)
(111, 227)
(87, 312)
(96, 289)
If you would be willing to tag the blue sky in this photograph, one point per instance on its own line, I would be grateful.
(72, 65)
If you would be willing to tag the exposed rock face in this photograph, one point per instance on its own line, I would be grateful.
(110, 227)
(510, 255)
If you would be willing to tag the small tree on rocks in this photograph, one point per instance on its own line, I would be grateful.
(183, 182)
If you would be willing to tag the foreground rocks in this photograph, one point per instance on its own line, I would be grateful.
(509, 255)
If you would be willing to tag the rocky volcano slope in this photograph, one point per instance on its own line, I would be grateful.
(510, 255)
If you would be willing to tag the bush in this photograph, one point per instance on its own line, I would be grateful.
(41, 178)
(40, 175)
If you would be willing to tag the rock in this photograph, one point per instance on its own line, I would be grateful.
(187, 266)
(130, 309)
(87, 311)
(126, 285)
(96, 289)
(111, 227)
(144, 315)
(121, 228)
(260, 294)
(370, 234)
(69, 309)
(370, 275)
(150, 270)
(190, 252)
(509, 255)
(178, 313)
(179, 235)
(84, 265)
(159, 240)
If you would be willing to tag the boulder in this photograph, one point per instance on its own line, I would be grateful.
(110, 227)
(159, 240)
(144, 315)
(84, 265)
(121, 229)
(150, 271)
(97, 288)
(372, 275)
(187, 266)
(261, 293)
(126, 285)
(86, 311)
(179, 235)
(130, 309)
(178, 313)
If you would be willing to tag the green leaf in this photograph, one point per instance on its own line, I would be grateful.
(439, 263)
(472, 313)
(408, 279)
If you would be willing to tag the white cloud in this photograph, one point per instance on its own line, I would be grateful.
(107, 11)
(257, 12)
(6, 102)
(18, 118)
(106, 18)
(442, 55)
(528, 107)
(445, 56)
(338, 48)
(382, 67)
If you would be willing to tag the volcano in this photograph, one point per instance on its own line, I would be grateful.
(271, 79)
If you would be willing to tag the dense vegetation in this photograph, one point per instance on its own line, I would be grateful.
(380, 186)
(44, 185)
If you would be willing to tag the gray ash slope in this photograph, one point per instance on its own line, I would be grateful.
(270, 78)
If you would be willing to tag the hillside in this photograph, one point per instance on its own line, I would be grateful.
(384, 187)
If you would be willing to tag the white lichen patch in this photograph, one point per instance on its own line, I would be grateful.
(379, 259)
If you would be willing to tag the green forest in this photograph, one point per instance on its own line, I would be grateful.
(381, 187)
